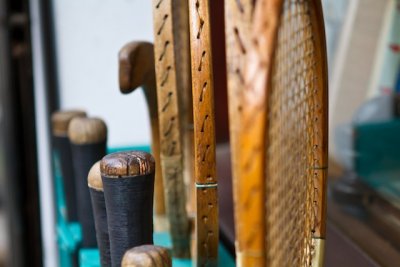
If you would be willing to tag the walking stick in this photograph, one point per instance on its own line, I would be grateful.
(169, 69)
(128, 182)
(136, 69)
(100, 214)
(88, 138)
(60, 122)
(204, 134)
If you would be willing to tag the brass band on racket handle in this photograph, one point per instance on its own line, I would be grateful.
(95, 184)
(147, 256)
(62, 150)
(88, 138)
(136, 69)
(169, 89)
(207, 232)
(128, 182)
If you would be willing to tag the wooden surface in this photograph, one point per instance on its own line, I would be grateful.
(83, 130)
(136, 69)
(60, 121)
(168, 89)
(238, 32)
(204, 134)
(147, 256)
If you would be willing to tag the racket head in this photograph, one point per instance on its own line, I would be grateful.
(296, 137)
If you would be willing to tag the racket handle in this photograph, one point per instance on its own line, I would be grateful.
(147, 256)
(63, 158)
(88, 138)
(128, 181)
(99, 212)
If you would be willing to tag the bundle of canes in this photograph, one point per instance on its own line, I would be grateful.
(173, 81)
(147, 256)
(96, 189)
(128, 182)
(207, 232)
(136, 68)
(63, 157)
(88, 138)
(282, 151)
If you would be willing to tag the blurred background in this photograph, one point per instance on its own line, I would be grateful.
(63, 54)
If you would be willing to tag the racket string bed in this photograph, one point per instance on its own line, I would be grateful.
(290, 192)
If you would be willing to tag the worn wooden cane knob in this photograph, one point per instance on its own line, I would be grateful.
(87, 131)
(94, 177)
(131, 163)
(128, 181)
(60, 120)
(147, 256)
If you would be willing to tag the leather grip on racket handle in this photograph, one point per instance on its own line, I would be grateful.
(147, 256)
(128, 181)
(100, 214)
(88, 138)
(63, 157)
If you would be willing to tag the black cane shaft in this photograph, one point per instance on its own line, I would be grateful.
(88, 145)
(62, 151)
(100, 215)
(128, 181)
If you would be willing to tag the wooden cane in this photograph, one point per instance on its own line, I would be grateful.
(60, 122)
(128, 181)
(282, 154)
(96, 190)
(88, 138)
(147, 256)
(171, 127)
(136, 69)
(204, 134)
(238, 21)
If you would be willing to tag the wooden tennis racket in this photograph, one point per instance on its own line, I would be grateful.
(207, 233)
(282, 152)
(171, 82)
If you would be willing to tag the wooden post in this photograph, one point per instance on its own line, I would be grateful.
(128, 182)
(136, 69)
(63, 157)
(147, 256)
(207, 229)
(88, 138)
(96, 190)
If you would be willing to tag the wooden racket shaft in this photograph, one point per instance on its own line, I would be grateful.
(128, 182)
(63, 157)
(147, 256)
(204, 135)
(136, 69)
(238, 21)
(88, 138)
(168, 89)
(96, 190)
(283, 136)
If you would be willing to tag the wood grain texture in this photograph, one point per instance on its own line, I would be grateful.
(147, 256)
(136, 69)
(128, 163)
(60, 121)
(238, 21)
(204, 134)
(249, 203)
(169, 90)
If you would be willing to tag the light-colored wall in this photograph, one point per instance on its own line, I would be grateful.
(89, 35)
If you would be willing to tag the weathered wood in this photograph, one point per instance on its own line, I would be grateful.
(171, 125)
(136, 69)
(204, 134)
(147, 256)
